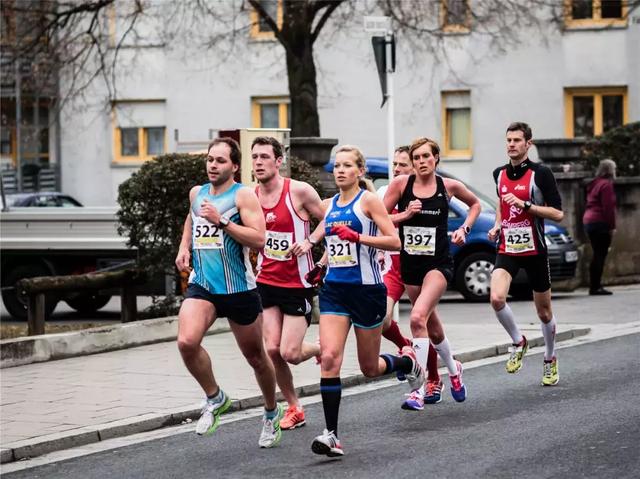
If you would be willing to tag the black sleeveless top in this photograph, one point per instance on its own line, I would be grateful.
(425, 242)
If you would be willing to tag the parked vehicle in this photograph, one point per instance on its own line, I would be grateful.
(42, 199)
(474, 260)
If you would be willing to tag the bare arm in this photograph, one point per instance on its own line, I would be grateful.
(312, 204)
(252, 231)
(184, 250)
(392, 197)
(375, 209)
(546, 212)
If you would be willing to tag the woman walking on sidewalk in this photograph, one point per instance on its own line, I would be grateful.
(425, 263)
(600, 222)
(356, 225)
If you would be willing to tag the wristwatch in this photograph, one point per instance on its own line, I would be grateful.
(466, 229)
(527, 205)
(223, 221)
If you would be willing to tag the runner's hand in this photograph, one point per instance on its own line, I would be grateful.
(209, 212)
(315, 276)
(493, 233)
(346, 234)
(413, 207)
(513, 200)
(458, 237)
(300, 249)
(182, 260)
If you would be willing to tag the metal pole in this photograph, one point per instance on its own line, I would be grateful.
(18, 122)
(391, 140)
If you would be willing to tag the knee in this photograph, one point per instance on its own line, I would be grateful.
(255, 357)
(329, 360)
(545, 315)
(273, 350)
(369, 369)
(291, 355)
(498, 302)
(417, 322)
(188, 346)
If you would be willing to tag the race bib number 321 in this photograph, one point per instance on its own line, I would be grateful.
(342, 254)
(206, 235)
(518, 240)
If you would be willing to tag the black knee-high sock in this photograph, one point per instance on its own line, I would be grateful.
(397, 363)
(331, 392)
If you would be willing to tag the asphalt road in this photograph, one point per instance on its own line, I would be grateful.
(510, 427)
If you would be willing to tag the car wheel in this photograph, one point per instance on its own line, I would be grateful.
(473, 276)
(88, 303)
(16, 304)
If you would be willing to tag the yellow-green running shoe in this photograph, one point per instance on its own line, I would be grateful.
(210, 418)
(516, 353)
(550, 376)
(271, 431)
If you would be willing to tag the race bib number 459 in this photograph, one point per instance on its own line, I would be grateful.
(419, 240)
(342, 254)
(278, 245)
(206, 235)
(518, 240)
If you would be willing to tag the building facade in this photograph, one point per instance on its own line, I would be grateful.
(577, 77)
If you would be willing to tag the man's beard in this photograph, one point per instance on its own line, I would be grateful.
(222, 178)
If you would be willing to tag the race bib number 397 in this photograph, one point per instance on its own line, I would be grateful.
(206, 235)
(342, 254)
(419, 240)
(518, 240)
(278, 245)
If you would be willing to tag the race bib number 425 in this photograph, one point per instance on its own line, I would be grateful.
(206, 235)
(518, 240)
(278, 245)
(342, 254)
(419, 240)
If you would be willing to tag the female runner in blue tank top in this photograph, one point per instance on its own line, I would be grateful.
(425, 263)
(356, 225)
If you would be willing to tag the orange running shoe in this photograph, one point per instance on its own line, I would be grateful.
(293, 418)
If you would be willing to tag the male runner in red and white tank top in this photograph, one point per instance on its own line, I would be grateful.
(528, 195)
(283, 263)
(402, 165)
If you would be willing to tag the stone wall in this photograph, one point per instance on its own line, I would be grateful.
(623, 261)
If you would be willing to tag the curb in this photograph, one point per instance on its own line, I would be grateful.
(148, 422)
(48, 347)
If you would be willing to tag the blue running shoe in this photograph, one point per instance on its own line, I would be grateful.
(458, 389)
(433, 394)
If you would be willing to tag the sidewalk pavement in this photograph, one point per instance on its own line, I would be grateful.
(67, 403)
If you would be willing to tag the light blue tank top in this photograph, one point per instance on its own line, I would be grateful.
(352, 263)
(221, 265)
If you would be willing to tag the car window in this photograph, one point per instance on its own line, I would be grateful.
(67, 202)
(45, 201)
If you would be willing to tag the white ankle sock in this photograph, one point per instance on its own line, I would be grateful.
(421, 347)
(444, 351)
(549, 333)
(506, 318)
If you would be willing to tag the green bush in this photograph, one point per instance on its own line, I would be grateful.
(154, 203)
(621, 144)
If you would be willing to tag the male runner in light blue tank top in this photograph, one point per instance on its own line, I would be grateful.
(224, 221)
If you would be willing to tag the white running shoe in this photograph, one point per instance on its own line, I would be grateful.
(416, 378)
(210, 415)
(271, 431)
(327, 444)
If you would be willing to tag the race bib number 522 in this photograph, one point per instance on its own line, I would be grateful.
(518, 240)
(206, 235)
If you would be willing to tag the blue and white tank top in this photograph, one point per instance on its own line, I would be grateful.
(221, 265)
(352, 263)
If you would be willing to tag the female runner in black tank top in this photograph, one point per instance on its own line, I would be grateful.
(425, 267)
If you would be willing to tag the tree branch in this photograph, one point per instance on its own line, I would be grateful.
(330, 5)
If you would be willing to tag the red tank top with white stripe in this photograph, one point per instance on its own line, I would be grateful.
(277, 266)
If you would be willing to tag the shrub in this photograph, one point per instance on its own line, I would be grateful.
(621, 144)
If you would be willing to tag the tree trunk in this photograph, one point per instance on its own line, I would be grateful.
(301, 69)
